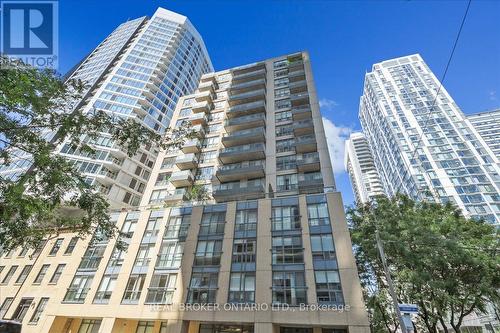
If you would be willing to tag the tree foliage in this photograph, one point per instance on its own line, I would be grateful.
(447, 264)
(39, 112)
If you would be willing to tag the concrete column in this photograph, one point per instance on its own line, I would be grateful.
(227, 251)
(107, 324)
(194, 327)
(175, 326)
(263, 328)
(306, 243)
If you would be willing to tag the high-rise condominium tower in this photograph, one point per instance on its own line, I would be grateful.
(359, 165)
(267, 251)
(139, 71)
(487, 124)
(422, 144)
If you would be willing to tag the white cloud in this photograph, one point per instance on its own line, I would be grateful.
(336, 137)
(327, 104)
(493, 95)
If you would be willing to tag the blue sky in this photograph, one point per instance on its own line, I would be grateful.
(344, 39)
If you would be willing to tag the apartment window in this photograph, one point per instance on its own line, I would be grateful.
(211, 142)
(23, 252)
(282, 104)
(167, 163)
(212, 223)
(134, 288)
(162, 288)
(5, 306)
(285, 214)
(1, 269)
(117, 257)
(246, 217)
(71, 245)
(24, 274)
(92, 257)
(328, 289)
(295, 330)
(22, 309)
(242, 288)
(90, 326)
(177, 226)
(9, 274)
(153, 226)
(170, 255)
(282, 92)
(283, 116)
(215, 128)
(318, 214)
(39, 310)
(56, 247)
(203, 288)
(244, 251)
(280, 64)
(322, 246)
(289, 288)
(215, 328)
(128, 228)
(204, 173)
(286, 162)
(57, 273)
(185, 112)
(281, 82)
(285, 146)
(144, 255)
(78, 289)
(208, 156)
(106, 288)
(287, 250)
(284, 130)
(145, 327)
(39, 248)
(208, 252)
(287, 182)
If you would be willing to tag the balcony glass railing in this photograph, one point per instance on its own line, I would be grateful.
(308, 158)
(245, 119)
(247, 106)
(90, 263)
(244, 165)
(247, 132)
(207, 259)
(244, 148)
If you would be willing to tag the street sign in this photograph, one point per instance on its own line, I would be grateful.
(408, 308)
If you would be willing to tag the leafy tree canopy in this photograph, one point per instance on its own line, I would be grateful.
(447, 264)
(38, 112)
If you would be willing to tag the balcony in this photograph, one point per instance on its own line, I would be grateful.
(208, 86)
(209, 259)
(186, 161)
(89, 263)
(311, 183)
(198, 130)
(198, 119)
(308, 163)
(236, 191)
(204, 96)
(306, 144)
(182, 178)
(247, 97)
(296, 75)
(301, 112)
(233, 172)
(245, 122)
(246, 109)
(177, 196)
(238, 138)
(303, 127)
(254, 151)
(246, 86)
(107, 177)
(298, 86)
(299, 98)
(191, 146)
(249, 73)
(201, 107)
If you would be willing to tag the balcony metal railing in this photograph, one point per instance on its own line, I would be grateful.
(159, 295)
(286, 223)
(90, 263)
(76, 295)
(207, 259)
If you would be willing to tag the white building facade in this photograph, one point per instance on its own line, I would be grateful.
(359, 164)
(487, 124)
(424, 145)
(138, 72)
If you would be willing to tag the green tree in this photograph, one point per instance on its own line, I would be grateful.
(448, 264)
(38, 112)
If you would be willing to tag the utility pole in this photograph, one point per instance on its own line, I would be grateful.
(389, 282)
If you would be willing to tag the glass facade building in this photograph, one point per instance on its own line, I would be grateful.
(422, 143)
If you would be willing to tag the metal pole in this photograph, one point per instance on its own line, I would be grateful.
(389, 282)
